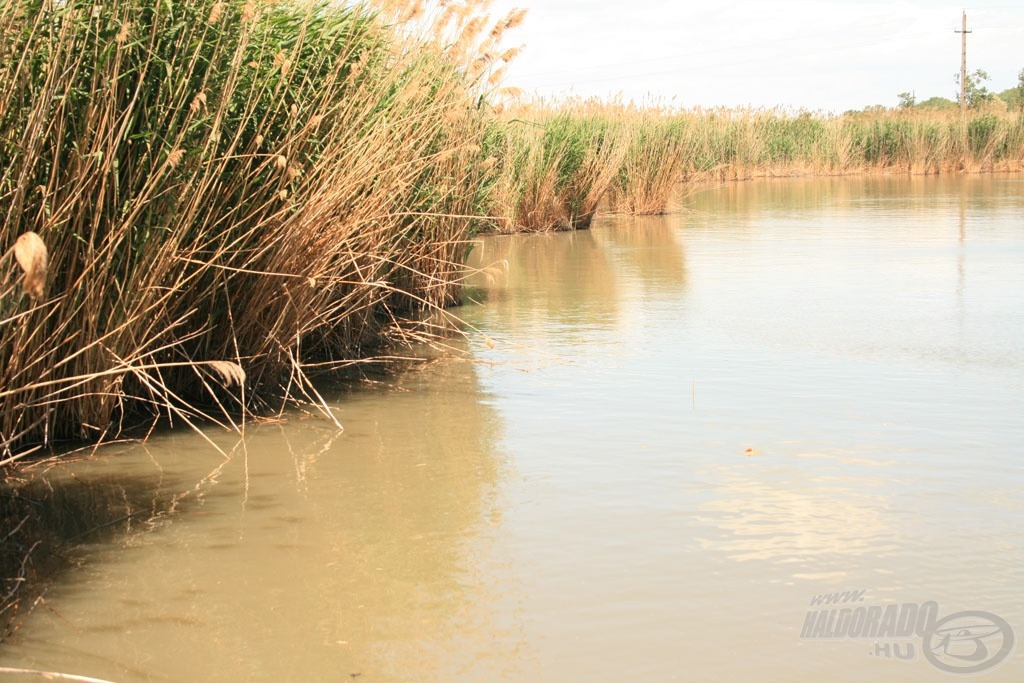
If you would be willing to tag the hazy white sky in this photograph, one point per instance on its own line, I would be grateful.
(827, 55)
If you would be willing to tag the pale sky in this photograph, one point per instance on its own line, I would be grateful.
(828, 55)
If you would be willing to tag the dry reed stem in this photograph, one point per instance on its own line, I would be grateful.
(51, 675)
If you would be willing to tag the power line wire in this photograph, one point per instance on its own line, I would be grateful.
(704, 65)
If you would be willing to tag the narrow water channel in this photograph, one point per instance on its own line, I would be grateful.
(669, 435)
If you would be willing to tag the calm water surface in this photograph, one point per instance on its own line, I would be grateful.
(577, 502)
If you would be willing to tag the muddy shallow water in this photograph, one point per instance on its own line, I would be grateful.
(687, 428)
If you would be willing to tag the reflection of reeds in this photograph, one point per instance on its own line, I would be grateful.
(225, 182)
(649, 249)
(564, 277)
(739, 203)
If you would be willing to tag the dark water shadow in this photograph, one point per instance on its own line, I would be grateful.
(50, 516)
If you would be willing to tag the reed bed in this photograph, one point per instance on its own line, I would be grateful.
(548, 153)
(553, 167)
(201, 200)
(740, 145)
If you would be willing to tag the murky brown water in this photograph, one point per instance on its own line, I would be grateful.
(578, 503)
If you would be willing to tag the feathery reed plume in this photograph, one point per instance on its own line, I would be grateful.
(515, 18)
(198, 103)
(174, 157)
(30, 253)
(216, 12)
(122, 35)
(229, 373)
(510, 54)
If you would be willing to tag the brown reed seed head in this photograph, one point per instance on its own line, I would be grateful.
(515, 18)
(175, 157)
(496, 77)
(198, 103)
(30, 253)
(216, 12)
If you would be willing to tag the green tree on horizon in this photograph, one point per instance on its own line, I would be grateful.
(976, 92)
(1014, 97)
(907, 100)
(936, 103)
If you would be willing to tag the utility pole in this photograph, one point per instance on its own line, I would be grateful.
(963, 63)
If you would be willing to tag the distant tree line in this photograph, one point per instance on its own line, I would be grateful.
(977, 94)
